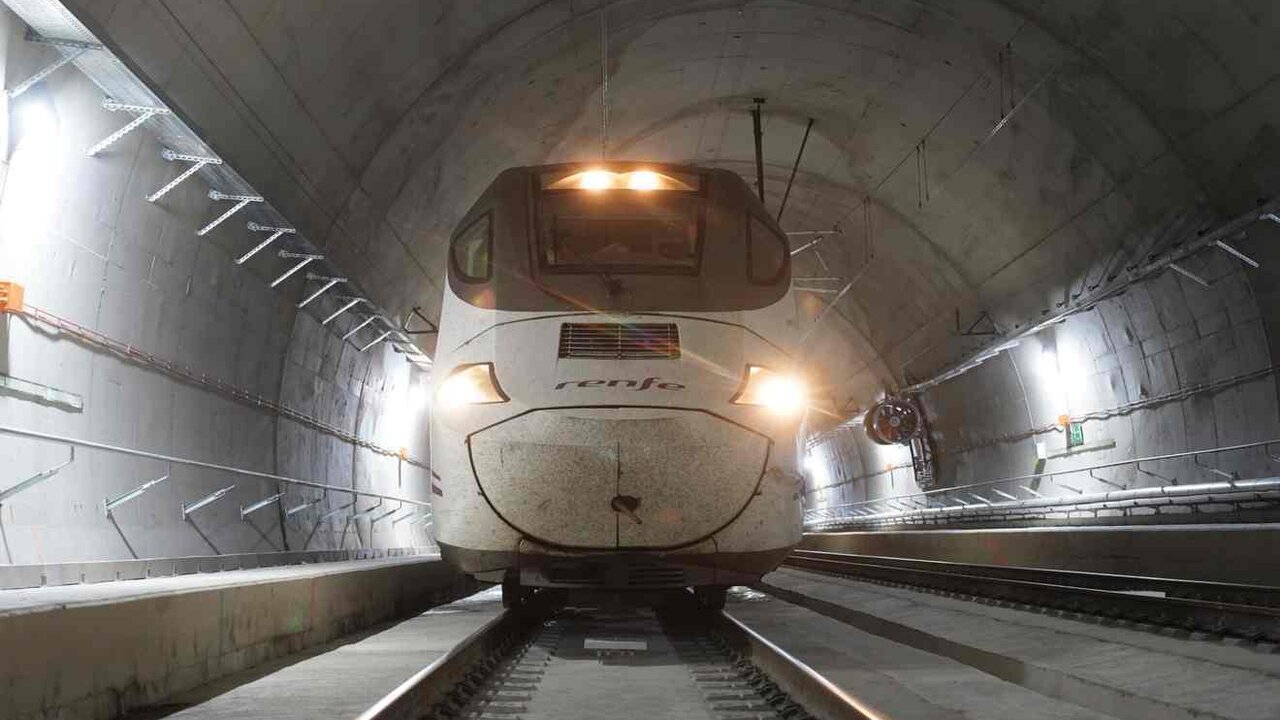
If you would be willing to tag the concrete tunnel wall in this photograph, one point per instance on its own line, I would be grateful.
(377, 159)
(77, 232)
(1161, 336)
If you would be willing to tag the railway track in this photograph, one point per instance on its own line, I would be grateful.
(1246, 611)
(566, 662)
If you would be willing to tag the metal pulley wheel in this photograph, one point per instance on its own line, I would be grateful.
(892, 421)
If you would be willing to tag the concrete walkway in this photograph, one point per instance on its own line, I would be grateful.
(41, 599)
(100, 650)
(343, 681)
(1113, 670)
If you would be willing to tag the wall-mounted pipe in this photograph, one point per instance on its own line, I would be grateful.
(76, 442)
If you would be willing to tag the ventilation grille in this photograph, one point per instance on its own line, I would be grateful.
(617, 341)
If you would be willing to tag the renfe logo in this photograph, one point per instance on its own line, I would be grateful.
(641, 385)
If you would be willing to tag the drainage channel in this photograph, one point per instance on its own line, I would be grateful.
(676, 661)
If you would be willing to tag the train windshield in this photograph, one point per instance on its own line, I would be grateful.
(623, 223)
(627, 234)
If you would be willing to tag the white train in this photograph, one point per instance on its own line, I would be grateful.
(617, 401)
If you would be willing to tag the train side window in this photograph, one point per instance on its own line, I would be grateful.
(767, 253)
(472, 251)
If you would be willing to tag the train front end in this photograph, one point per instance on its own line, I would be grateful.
(617, 404)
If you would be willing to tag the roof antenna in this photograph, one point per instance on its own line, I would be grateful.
(604, 85)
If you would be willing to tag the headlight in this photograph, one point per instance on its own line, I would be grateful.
(781, 393)
(474, 384)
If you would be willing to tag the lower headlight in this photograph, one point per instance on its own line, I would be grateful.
(782, 393)
(474, 384)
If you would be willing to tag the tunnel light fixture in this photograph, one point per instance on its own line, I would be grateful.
(597, 179)
(473, 384)
(779, 392)
(34, 120)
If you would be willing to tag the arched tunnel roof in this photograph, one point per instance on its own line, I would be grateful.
(989, 155)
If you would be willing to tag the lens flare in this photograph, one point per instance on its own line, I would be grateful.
(783, 394)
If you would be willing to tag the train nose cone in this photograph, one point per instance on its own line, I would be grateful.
(634, 478)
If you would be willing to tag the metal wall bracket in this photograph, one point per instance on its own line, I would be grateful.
(44, 72)
(76, 48)
(37, 478)
(417, 312)
(35, 37)
(337, 510)
(368, 511)
(245, 512)
(973, 330)
(109, 504)
(360, 326)
(1188, 274)
(821, 236)
(328, 283)
(299, 508)
(143, 113)
(199, 162)
(188, 508)
(276, 232)
(386, 514)
(376, 340)
(826, 311)
(304, 259)
(402, 518)
(241, 201)
(351, 302)
(1239, 255)
(404, 345)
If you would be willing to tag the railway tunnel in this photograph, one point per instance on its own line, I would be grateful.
(1032, 250)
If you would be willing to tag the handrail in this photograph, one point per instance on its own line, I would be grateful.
(1050, 475)
(22, 432)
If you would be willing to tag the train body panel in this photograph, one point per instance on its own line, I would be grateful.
(607, 440)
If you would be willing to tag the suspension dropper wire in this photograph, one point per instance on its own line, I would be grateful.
(604, 85)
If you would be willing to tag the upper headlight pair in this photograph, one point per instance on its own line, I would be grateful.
(782, 393)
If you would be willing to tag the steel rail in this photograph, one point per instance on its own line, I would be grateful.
(818, 695)
(77, 442)
(1074, 592)
(481, 664)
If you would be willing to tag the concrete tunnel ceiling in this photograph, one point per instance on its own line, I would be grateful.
(979, 156)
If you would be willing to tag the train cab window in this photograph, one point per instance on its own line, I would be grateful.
(767, 253)
(472, 251)
(620, 229)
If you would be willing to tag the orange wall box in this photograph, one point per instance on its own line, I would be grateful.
(10, 297)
